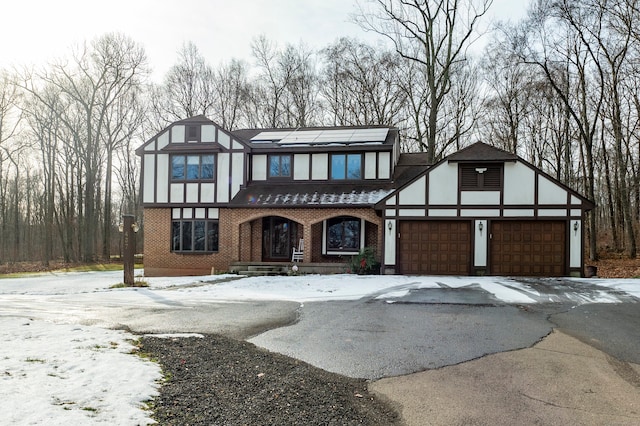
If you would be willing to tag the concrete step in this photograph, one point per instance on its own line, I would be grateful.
(266, 268)
(285, 267)
(254, 273)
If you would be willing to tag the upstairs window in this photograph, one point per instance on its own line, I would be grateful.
(486, 177)
(280, 166)
(346, 166)
(192, 167)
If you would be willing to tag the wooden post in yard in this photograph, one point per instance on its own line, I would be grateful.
(128, 247)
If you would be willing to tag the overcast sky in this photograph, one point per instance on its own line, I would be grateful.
(36, 31)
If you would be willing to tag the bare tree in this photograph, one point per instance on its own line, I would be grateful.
(602, 32)
(277, 70)
(122, 123)
(632, 85)
(566, 59)
(9, 112)
(43, 120)
(434, 34)
(9, 120)
(361, 85)
(301, 100)
(460, 111)
(509, 82)
(90, 89)
(618, 21)
(232, 91)
(125, 62)
(188, 89)
(412, 81)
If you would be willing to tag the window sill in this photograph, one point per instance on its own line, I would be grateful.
(342, 253)
(195, 252)
(212, 180)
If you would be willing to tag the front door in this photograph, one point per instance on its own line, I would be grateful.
(277, 237)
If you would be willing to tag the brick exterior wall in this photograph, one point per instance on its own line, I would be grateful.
(160, 261)
(240, 238)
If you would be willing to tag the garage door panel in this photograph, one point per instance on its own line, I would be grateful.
(444, 247)
(532, 248)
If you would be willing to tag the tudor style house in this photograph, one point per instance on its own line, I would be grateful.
(214, 199)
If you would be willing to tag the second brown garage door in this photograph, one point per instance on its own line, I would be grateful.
(435, 247)
(528, 248)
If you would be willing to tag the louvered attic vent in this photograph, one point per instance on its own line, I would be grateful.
(480, 177)
(193, 133)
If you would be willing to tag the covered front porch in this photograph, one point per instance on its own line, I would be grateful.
(330, 238)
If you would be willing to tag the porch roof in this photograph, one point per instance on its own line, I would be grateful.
(312, 194)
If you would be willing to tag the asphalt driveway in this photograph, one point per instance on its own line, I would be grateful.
(447, 350)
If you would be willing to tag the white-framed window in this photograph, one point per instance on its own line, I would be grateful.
(343, 235)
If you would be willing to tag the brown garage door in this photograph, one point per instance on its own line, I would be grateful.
(528, 248)
(435, 247)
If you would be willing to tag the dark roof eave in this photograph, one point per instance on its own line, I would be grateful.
(484, 161)
(306, 206)
(276, 148)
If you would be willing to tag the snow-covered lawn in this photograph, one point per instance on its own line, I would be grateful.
(55, 371)
(70, 374)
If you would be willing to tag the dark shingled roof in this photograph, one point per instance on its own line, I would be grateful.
(410, 165)
(314, 194)
(246, 134)
(480, 151)
(195, 119)
(413, 159)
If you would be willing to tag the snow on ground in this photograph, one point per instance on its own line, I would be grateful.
(55, 371)
(629, 286)
(309, 288)
(57, 374)
(301, 288)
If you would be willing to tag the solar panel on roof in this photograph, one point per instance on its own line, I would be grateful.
(324, 139)
(304, 136)
(338, 133)
(324, 136)
(372, 132)
(270, 136)
(369, 135)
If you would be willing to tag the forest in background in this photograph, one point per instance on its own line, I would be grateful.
(560, 88)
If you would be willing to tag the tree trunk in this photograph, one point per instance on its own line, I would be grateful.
(106, 233)
(610, 204)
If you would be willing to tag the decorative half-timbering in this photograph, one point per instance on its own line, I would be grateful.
(484, 211)
(192, 163)
(214, 198)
